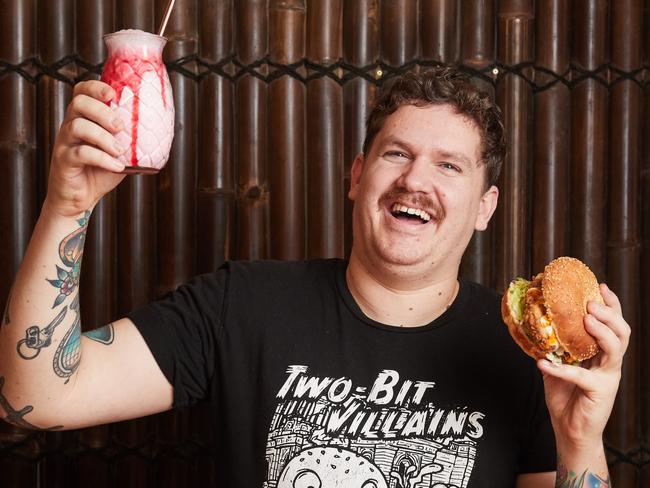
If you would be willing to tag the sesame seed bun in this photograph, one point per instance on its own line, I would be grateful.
(550, 323)
(568, 284)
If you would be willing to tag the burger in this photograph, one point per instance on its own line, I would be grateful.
(545, 315)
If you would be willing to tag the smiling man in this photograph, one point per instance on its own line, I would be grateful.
(419, 193)
(386, 370)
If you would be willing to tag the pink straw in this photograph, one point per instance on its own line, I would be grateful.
(168, 11)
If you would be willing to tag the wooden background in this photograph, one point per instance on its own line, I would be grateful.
(271, 97)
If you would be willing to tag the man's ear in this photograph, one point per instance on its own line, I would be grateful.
(355, 175)
(486, 208)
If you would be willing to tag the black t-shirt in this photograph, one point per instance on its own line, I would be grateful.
(308, 391)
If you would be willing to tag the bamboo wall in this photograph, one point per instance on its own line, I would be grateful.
(271, 97)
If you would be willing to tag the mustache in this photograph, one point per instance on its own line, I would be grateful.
(415, 200)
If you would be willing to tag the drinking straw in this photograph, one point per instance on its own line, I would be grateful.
(168, 11)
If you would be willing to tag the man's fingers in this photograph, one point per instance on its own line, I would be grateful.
(611, 300)
(612, 346)
(94, 89)
(87, 136)
(572, 374)
(86, 107)
(91, 156)
(88, 132)
(610, 315)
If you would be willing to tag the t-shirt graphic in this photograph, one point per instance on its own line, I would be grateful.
(329, 432)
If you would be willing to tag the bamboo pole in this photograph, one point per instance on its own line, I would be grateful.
(589, 113)
(251, 132)
(216, 171)
(478, 52)
(176, 229)
(644, 324)
(643, 334)
(216, 185)
(324, 133)
(360, 48)
(515, 32)
(551, 131)
(17, 139)
(440, 29)
(398, 31)
(287, 132)
(18, 182)
(477, 20)
(56, 40)
(624, 235)
(176, 209)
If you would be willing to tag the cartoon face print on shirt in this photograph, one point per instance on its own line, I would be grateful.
(330, 467)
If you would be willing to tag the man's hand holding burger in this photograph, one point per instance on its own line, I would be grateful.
(579, 393)
(580, 399)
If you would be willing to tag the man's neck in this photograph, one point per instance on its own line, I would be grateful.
(399, 301)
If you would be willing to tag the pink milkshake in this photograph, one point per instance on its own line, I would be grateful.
(143, 100)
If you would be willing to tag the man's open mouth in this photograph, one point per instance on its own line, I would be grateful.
(402, 212)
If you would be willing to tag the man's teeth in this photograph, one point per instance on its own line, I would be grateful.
(412, 211)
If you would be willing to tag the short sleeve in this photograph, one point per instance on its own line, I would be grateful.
(182, 329)
(538, 451)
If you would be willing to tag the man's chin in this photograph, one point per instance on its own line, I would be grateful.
(401, 258)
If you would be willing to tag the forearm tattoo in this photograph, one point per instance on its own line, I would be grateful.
(569, 479)
(37, 338)
(71, 251)
(15, 417)
(68, 353)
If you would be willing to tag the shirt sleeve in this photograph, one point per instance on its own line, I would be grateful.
(538, 452)
(182, 329)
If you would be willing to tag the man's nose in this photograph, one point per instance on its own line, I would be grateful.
(417, 176)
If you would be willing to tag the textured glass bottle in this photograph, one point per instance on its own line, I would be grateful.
(143, 101)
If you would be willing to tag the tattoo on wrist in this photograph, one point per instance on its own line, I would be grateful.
(68, 353)
(15, 417)
(105, 334)
(71, 251)
(37, 338)
(570, 479)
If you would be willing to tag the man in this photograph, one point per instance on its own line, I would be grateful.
(384, 371)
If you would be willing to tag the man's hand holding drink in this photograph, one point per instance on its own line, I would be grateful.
(84, 159)
(123, 125)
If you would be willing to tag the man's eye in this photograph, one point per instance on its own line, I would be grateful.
(450, 166)
(396, 154)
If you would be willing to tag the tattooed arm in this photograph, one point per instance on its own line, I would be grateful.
(51, 375)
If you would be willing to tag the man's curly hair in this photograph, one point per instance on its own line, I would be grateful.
(444, 86)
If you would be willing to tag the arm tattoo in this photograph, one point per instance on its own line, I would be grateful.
(71, 251)
(37, 338)
(105, 334)
(71, 248)
(68, 353)
(15, 417)
(569, 479)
